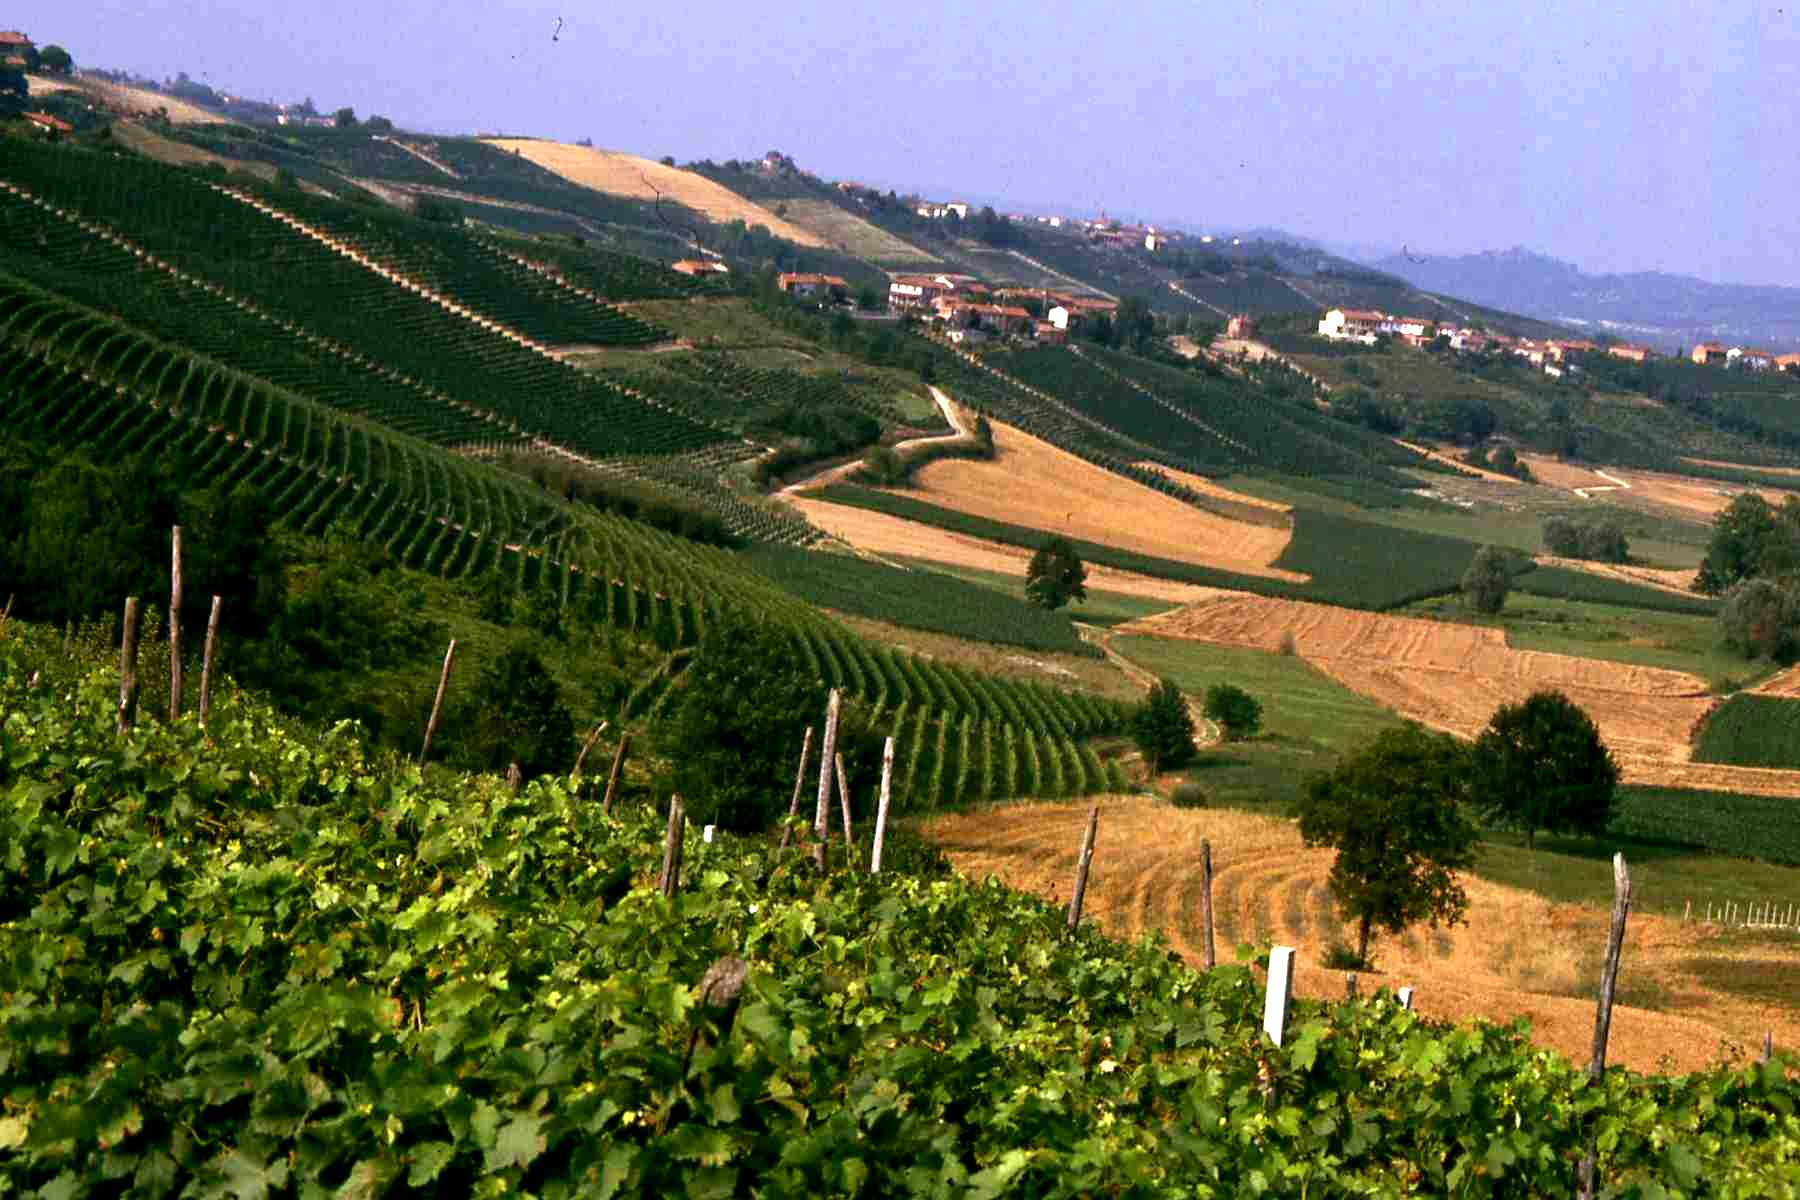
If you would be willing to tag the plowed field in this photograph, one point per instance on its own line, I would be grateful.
(1519, 955)
(642, 179)
(1449, 676)
(1030, 482)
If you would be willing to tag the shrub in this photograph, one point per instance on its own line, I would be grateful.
(1759, 619)
(1164, 728)
(1486, 582)
(882, 465)
(1341, 956)
(1287, 645)
(1188, 795)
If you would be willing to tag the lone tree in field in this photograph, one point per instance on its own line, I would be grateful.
(1238, 713)
(1164, 728)
(1056, 575)
(882, 465)
(1486, 582)
(1540, 764)
(1391, 812)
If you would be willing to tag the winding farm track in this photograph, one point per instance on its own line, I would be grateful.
(1519, 955)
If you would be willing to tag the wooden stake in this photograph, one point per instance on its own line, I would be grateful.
(1768, 1045)
(670, 879)
(437, 704)
(1350, 985)
(1081, 868)
(206, 659)
(586, 746)
(618, 768)
(1609, 983)
(7, 615)
(174, 622)
(843, 784)
(787, 831)
(827, 751)
(128, 664)
(881, 811)
(515, 778)
(1206, 911)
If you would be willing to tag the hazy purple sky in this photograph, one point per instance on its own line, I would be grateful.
(1644, 136)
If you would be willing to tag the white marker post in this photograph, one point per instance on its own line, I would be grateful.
(706, 834)
(1406, 995)
(1281, 987)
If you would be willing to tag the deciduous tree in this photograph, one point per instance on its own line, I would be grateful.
(1056, 575)
(1238, 713)
(1540, 764)
(1164, 728)
(1487, 580)
(1391, 811)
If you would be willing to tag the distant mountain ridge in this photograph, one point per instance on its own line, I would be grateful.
(1646, 306)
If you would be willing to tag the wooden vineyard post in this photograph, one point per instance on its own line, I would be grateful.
(881, 811)
(437, 705)
(206, 659)
(1768, 1050)
(1279, 998)
(843, 786)
(827, 751)
(787, 831)
(585, 747)
(174, 622)
(1206, 911)
(1609, 983)
(1081, 868)
(618, 768)
(669, 882)
(128, 664)
(1350, 985)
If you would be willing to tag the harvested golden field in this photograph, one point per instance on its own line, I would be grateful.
(1667, 579)
(151, 144)
(644, 179)
(1030, 482)
(1520, 955)
(1210, 487)
(879, 533)
(853, 235)
(1450, 676)
(1785, 684)
(131, 101)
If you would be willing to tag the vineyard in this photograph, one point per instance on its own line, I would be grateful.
(316, 972)
(1752, 731)
(268, 273)
(84, 381)
(1766, 828)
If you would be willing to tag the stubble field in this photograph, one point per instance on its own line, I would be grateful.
(1520, 955)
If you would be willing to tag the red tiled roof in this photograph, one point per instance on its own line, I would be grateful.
(49, 122)
(13, 37)
(1357, 314)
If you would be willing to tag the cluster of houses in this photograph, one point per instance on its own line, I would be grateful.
(1553, 355)
(971, 311)
(1713, 354)
(15, 50)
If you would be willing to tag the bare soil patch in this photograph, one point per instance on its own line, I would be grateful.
(644, 179)
(1666, 579)
(1450, 676)
(1030, 482)
(1519, 955)
(1680, 496)
(880, 533)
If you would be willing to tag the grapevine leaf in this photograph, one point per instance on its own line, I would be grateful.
(428, 1161)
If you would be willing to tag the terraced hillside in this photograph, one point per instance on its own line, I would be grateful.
(73, 377)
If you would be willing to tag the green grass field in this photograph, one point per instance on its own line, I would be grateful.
(1309, 721)
(1663, 878)
(1641, 637)
(1752, 731)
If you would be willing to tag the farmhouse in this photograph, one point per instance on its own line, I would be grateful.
(16, 49)
(1750, 360)
(802, 284)
(1350, 323)
(1787, 362)
(52, 126)
(1709, 354)
(1630, 352)
(1240, 326)
(699, 266)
